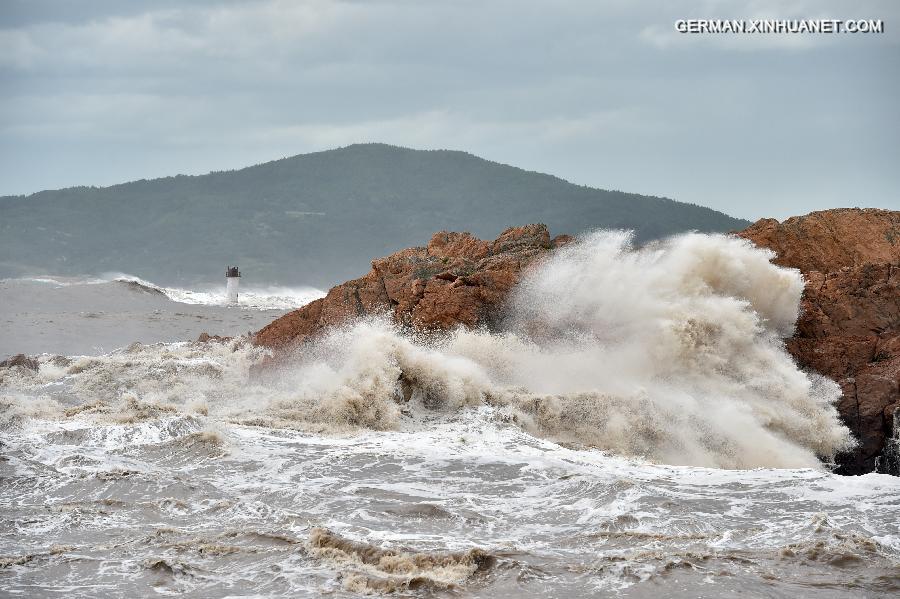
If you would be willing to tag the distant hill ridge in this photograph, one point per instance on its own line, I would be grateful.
(313, 219)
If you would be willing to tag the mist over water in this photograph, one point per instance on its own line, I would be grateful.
(598, 440)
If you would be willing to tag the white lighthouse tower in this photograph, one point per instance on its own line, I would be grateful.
(232, 280)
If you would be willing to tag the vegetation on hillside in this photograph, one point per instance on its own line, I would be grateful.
(310, 219)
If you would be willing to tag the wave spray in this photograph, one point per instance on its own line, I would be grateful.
(672, 352)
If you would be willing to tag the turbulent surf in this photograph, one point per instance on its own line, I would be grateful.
(633, 421)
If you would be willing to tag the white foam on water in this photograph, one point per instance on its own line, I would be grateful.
(634, 418)
(270, 297)
(264, 297)
(672, 353)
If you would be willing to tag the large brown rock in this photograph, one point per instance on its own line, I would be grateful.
(829, 240)
(849, 327)
(455, 280)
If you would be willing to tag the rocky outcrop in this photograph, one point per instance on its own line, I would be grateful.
(849, 327)
(22, 361)
(206, 338)
(829, 240)
(455, 280)
(848, 330)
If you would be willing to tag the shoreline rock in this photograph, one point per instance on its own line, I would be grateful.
(849, 325)
(457, 279)
(848, 328)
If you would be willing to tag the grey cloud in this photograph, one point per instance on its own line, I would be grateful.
(604, 94)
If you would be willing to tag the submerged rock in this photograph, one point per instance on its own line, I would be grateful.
(849, 326)
(22, 361)
(206, 338)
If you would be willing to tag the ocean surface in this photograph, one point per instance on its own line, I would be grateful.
(66, 315)
(634, 429)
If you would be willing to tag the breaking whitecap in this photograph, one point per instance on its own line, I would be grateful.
(380, 461)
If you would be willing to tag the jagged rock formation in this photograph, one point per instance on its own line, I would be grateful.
(456, 279)
(848, 330)
(849, 327)
(829, 240)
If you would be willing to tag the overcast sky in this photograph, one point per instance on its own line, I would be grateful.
(600, 93)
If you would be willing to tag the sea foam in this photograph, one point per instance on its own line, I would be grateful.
(670, 353)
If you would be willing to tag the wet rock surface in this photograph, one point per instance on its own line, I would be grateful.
(849, 326)
(20, 360)
(455, 280)
(848, 329)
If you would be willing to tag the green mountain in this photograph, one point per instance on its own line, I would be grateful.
(311, 219)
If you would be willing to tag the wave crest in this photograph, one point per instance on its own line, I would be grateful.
(672, 353)
(368, 568)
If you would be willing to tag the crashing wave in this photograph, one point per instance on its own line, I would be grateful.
(366, 568)
(670, 353)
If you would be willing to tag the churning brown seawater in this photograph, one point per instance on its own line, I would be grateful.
(642, 435)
